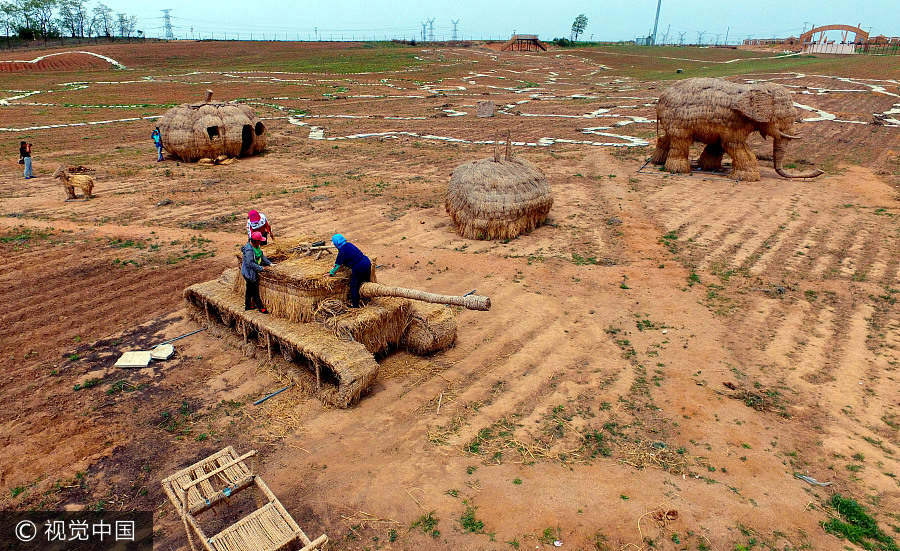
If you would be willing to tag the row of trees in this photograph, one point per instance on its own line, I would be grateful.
(43, 19)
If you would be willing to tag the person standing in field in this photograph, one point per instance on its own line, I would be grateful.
(360, 265)
(257, 222)
(157, 141)
(25, 158)
(253, 262)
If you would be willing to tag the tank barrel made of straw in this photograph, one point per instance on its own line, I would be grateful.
(472, 302)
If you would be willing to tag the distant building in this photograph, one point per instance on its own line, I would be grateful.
(524, 43)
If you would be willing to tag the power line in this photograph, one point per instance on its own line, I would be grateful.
(454, 28)
(431, 29)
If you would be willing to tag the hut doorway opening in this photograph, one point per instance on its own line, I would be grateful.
(212, 132)
(246, 139)
(260, 128)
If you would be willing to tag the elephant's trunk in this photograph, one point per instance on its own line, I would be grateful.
(779, 144)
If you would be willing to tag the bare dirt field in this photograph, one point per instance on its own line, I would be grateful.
(664, 343)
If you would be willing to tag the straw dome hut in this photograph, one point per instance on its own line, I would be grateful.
(193, 131)
(497, 199)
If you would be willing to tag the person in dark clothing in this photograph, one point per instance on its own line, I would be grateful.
(254, 261)
(25, 158)
(353, 258)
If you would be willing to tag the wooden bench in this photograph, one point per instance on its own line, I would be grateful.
(213, 480)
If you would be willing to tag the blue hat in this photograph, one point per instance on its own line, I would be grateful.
(338, 240)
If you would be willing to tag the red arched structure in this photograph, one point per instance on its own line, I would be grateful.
(859, 34)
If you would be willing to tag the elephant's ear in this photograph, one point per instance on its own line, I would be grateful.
(757, 105)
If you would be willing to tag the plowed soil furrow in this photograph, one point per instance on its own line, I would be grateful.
(866, 256)
(757, 326)
(744, 236)
(891, 275)
(814, 343)
(839, 239)
(846, 320)
(534, 381)
(42, 256)
(847, 371)
(772, 263)
(95, 281)
(784, 334)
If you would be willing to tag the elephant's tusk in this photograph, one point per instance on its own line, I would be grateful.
(789, 136)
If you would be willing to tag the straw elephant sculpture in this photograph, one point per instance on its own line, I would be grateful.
(722, 115)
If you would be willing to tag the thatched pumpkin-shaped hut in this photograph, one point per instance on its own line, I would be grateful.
(497, 199)
(193, 131)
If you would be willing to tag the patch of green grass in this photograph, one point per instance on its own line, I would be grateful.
(469, 521)
(549, 535)
(452, 492)
(579, 260)
(90, 383)
(517, 481)
(428, 524)
(855, 524)
(120, 386)
(20, 235)
(18, 490)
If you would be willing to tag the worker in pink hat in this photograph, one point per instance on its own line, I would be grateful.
(253, 262)
(257, 222)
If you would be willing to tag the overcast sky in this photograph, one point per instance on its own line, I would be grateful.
(610, 20)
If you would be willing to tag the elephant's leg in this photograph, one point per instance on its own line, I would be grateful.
(744, 166)
(662, 150)
(678, 159)
(711, 158)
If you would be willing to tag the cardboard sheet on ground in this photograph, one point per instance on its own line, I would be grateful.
(134, 358)
(162, 352)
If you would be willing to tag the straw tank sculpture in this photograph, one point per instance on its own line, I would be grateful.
(722, 115)
(72, 177)
(309, 323)
(208, 130)
(497, 199)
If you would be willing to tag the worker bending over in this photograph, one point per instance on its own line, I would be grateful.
(257, 222)
(353, 258)
(254, 261)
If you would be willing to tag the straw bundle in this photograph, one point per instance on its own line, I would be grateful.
(379, 326)
(208, 130)
(431, 328)
(294, 288)
(497, 199)
(344, 369)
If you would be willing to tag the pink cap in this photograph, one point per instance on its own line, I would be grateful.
(254, 216)
(256, 236)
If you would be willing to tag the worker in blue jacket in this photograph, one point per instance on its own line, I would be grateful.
(353, 258)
